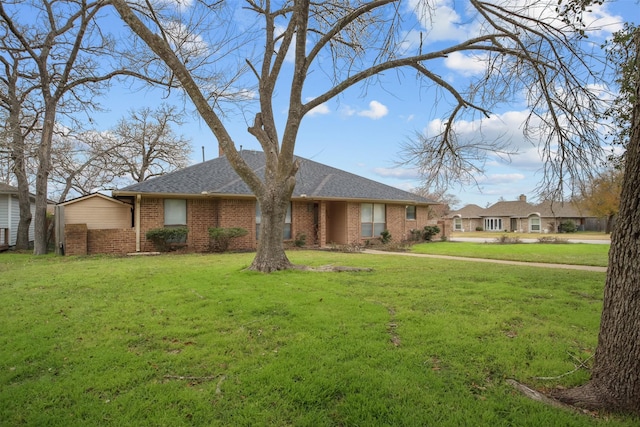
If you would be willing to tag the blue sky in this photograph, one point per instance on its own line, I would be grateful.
(361, 132)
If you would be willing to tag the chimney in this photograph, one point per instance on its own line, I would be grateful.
(523, 198)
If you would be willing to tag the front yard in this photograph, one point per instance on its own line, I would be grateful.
(197, 340)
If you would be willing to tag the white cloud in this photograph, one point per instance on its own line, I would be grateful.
(439, 20)
(467, 65)
(376, 111)
(320, 110)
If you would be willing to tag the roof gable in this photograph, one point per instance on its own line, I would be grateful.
(92, 196)
(313, 180)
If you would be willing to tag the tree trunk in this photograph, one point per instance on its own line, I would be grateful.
(609, 226)
(615, 377)
(42, 176)
(19, 170)
(271, 255)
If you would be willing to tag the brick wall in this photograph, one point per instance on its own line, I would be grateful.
(201, 215)
(151, 216)
(302, 217)
(75, 239)
(396, 222)
(111, 241)
(239, 213)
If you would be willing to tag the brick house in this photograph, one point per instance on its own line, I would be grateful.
(328, 206)
(522, 216)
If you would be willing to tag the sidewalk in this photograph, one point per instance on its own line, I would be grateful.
(493, 261)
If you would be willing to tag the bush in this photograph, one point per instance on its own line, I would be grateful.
(219, 238)
(300, 240)
(479, 229)
(415, 235)
(385, 237)
(168, 239)
(568, 226)
(506, 240)
(549, 239)
(429, 231)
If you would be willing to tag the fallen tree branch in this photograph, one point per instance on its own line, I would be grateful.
(581, 365)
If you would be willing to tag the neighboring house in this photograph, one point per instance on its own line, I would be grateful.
(10, 215)
(521, 216)
(328, 206)
(80, 221)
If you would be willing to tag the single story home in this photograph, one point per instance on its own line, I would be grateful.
(328, 206)
(10, 215)
(521, 216)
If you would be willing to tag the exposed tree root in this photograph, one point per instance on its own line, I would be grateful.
(537, 396)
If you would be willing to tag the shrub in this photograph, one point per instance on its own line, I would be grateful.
(479, 229)
(348, 248)
(168, 239)
(415, 235)
(568, 226)
(385, 237)
(549, 239)
(429, 231)
(300, 240)
(219, 238)
(506, 240)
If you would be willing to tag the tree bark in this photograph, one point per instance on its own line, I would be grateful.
(42, 176)
(270, 255)
(20, 171)
(615, 377)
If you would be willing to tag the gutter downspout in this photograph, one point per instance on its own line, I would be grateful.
(137, 222)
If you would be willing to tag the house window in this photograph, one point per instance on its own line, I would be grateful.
(372, 219)
(534, 224)
(493, 224)
(457, 223)
(411, 213)
(175, 212)
(286, 233)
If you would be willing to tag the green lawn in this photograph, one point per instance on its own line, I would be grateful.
(570, 253)
(197, 340)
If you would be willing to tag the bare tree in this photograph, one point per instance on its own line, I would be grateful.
(83, 164)
(447, 201)
(353, 43)
(17, 88)
(63, 50)
(148, 144)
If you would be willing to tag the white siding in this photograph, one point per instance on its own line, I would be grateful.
(4, 210)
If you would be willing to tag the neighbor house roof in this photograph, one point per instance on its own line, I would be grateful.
(10, 189)
(522, 209)
(468, 211)
(314, 181)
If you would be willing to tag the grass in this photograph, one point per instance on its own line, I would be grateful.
(197, 340)
(491, 235)
(573, 253)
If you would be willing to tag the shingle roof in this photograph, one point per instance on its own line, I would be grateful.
(522, 209)
(313, 180)
(468, 211)
(10, 189)
(7, 189)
